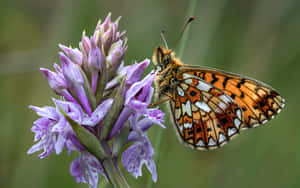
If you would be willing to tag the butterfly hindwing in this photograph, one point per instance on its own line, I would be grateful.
(259, 102)
(205, 116)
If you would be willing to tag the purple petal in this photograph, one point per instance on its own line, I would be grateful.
(95, 58)
(47, 140)
(106, 23)
(120, 35)
(95, 61)
(121, 72)
(76, 170)
(116, 54)
(115, 26)
(71, 71)
(85, 169)
(86, 46)
(75, 81)
(60, 143)
(40, 126)
(73, 110)
(46, 111)
(120, 123)
(57, 68)
(107, 39)
(99, 113)
(138, 154)
(67, 139)
(74, 54)
(135, 71)
(56, 81)
(155, 116)
(83, 99)
(67, 95)
(140, 93)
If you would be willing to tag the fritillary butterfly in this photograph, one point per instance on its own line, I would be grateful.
(209, 107)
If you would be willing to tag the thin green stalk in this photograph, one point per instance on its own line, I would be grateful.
(113, 173)
(190, 12)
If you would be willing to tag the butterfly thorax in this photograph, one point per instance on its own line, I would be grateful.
(168, 73)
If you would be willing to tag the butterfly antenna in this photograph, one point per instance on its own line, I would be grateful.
(184, 28)
(162, 34)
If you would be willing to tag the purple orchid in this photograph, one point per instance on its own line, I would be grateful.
(86, 168)
(104, 106)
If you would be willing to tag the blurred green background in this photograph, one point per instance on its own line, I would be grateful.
(258, 38)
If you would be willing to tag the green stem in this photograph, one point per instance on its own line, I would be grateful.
(112, 171)
(113, 174)
(190, 12)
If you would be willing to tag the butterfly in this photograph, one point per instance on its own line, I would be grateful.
(208, 106)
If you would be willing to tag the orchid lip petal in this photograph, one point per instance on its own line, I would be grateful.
(85, 169)
(138, 154)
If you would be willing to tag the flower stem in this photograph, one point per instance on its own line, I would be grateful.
(113, 174)
(111, 169)
(190, 12)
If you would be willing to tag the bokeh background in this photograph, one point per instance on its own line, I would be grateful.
(258, 38)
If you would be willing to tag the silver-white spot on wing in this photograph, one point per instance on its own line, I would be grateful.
(180, 127)
(211, 142)
(222, 138)
(239, 114)
(223, 106)
(188, 108)
(183, 107)
(203, 106)
(203, 86)
(177, 113)
(217, 110)
(180, 91)
(231, 131)
(200, 143)
(187, 125)
(225, 98)
(186, 75)
(237, 122)
(189, 81)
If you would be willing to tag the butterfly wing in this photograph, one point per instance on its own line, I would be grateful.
(258, 101)
(204, 115)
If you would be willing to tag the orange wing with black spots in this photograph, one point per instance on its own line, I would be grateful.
(205, 116)
(258, 101)
(210, 106)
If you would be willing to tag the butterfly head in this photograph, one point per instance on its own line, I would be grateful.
(162, 57)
